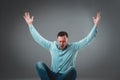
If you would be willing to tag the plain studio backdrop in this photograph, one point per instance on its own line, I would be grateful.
(100, 60)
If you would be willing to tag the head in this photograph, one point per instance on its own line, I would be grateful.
(62, 39)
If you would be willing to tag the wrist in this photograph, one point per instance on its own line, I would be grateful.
(96, 24)
(29, 24)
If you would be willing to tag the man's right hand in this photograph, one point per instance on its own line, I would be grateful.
(28, 19)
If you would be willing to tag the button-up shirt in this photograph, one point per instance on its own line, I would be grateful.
(62, 60)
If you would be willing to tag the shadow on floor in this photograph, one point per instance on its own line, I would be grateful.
(77, 79)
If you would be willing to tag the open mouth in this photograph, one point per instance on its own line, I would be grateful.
(62, 46)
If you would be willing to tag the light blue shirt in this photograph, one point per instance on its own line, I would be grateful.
(62, 60)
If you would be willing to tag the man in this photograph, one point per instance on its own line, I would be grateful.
(63, 53)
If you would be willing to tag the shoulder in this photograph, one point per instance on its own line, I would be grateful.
(54, 44)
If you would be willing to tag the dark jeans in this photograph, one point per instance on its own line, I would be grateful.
(46, 74)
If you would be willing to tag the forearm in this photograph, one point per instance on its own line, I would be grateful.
(92, 34)
(87, 39)
(38, 38)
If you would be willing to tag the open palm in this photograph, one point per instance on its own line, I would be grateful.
(27, 18)
(97, 19)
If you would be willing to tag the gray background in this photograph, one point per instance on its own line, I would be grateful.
(19, 52)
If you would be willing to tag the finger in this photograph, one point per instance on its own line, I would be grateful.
(93, 18)
(98, 13)
(28, 14)
(32, 17)
(25, 18)
(99, 16)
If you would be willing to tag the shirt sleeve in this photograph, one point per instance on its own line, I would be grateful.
(82, 43)
(38, 38)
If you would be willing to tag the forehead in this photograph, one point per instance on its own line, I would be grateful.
(62, 38)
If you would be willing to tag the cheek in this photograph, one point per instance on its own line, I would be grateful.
(65, 44)
(59, 43)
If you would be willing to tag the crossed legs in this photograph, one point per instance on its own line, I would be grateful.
(46, 74)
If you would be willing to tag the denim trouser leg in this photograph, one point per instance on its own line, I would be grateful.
(71, 74)
(44, 72)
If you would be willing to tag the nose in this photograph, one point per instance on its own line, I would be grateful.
(61, 43)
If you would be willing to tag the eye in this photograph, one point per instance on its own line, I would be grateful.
(60, 41)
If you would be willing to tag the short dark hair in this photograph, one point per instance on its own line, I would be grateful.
(62, 33)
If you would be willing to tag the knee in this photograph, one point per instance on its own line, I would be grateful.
(39, 65)
(70, 74)
(73, 71)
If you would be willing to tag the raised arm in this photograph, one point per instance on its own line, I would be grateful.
(28, 19)
(97, 19)
(36, 36)
(91, 35)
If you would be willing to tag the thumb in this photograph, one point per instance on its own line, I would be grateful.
(93, 19)
(32, 17)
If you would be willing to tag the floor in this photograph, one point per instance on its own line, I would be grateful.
(77, 79)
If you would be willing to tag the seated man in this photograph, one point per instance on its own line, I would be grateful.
(63, 53)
